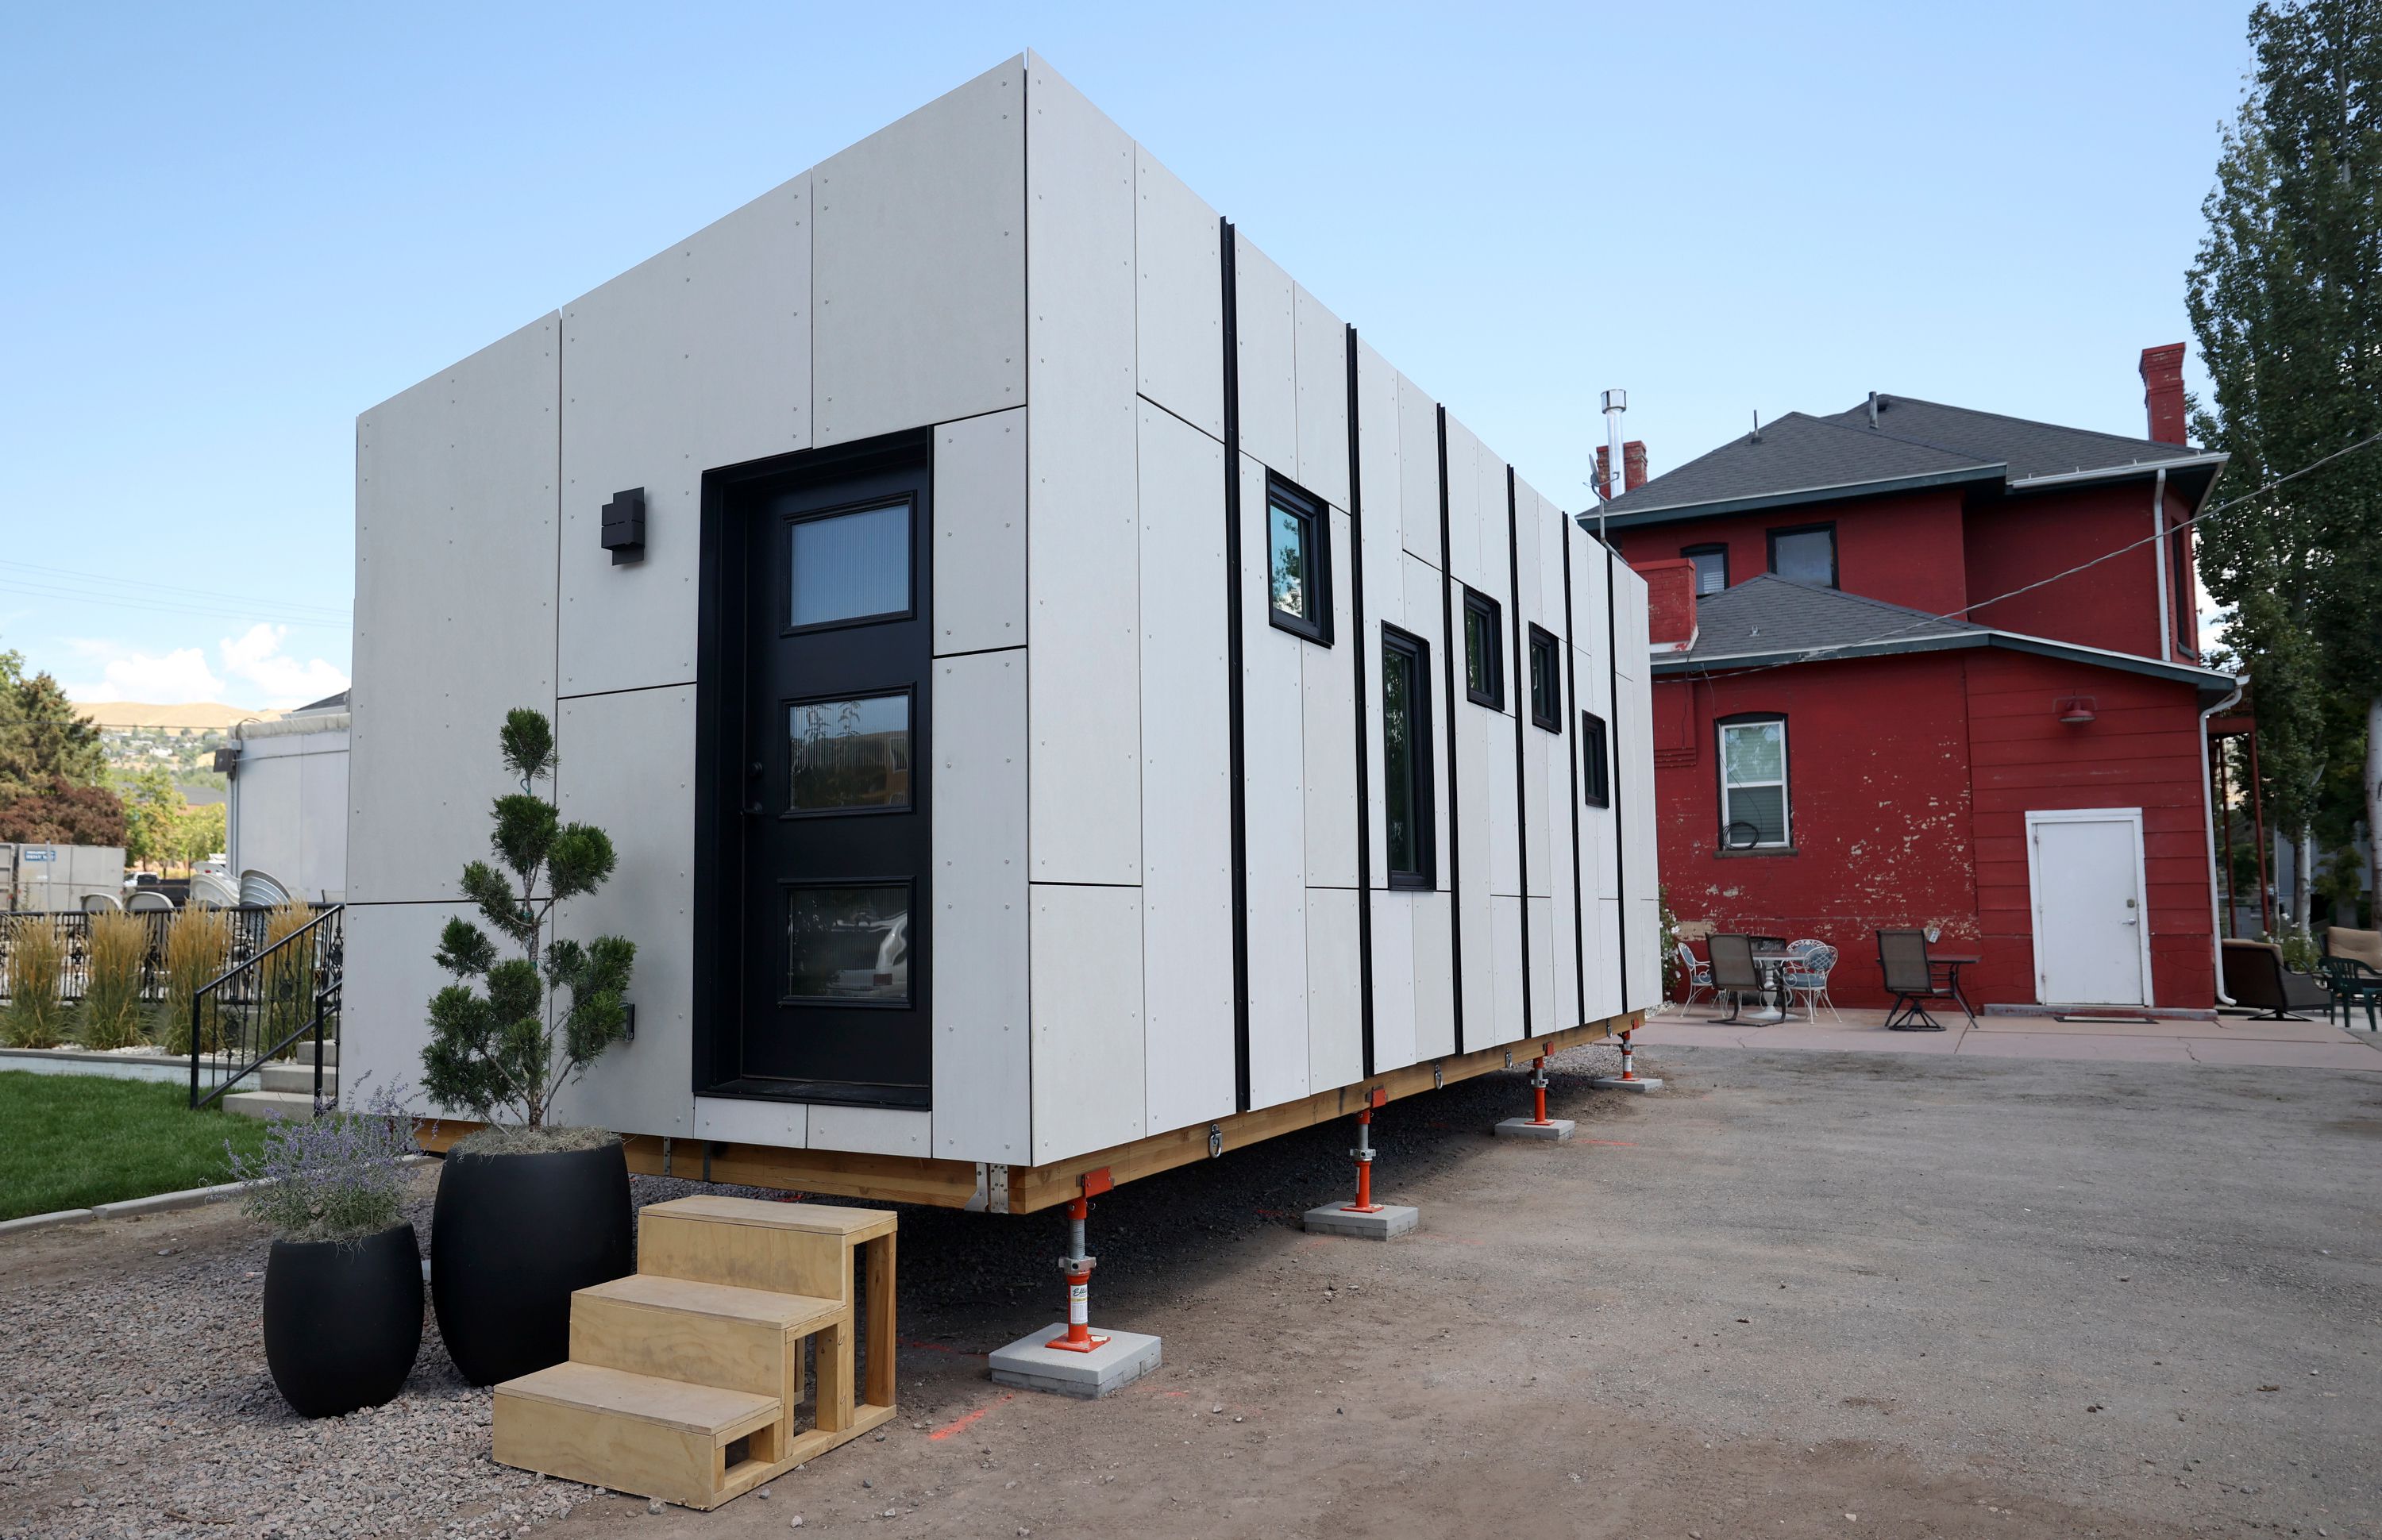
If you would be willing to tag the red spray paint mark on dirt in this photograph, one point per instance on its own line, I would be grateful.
(961, 1423)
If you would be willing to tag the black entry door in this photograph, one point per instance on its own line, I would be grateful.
(835, 930)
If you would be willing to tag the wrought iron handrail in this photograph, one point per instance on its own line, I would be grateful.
(255, 1012)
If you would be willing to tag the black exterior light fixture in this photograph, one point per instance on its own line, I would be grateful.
(624, 526)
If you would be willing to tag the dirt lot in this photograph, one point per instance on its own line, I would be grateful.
(1793, 1294)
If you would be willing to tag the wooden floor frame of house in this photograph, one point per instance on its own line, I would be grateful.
(1028, 1189)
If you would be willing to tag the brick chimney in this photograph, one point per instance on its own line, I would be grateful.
(1670, 597)
(2162, 392)
(1633, 465)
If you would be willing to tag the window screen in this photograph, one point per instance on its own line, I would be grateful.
(1753, 809)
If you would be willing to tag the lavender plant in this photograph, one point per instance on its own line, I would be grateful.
(338, 1177)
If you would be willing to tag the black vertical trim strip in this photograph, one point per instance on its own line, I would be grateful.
(1578, 741)
(1620, 816)
(1363, 645)
(1455, 814)
(1236, 752)
(1519, 695)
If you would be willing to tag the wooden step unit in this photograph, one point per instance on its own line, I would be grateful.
(686, 1379)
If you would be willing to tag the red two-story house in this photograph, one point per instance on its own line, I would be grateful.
(1921, 665)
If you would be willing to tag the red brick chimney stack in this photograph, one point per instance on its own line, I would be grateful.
(2162, 392)
(1670, 597)
(1633, 465)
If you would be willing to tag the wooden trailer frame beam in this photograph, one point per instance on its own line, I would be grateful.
(956, 1183)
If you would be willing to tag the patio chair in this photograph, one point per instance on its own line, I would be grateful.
(1733, 972)
(2254, 975)
(2364, 947)
(2352, 982)
(1902, 957)
(1805, 978)
(1697, 974)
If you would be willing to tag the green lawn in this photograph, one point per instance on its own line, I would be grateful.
(72, 1141)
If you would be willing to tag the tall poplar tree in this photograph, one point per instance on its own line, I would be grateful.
(2286, 299)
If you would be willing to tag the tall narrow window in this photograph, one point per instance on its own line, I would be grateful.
(1546, 683)
(1406, 797)
(1484, 651)
(1807, 555)
(1299, 562)
(1595, 761)
(1753, 809)
(1711, 567)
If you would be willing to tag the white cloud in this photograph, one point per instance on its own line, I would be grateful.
(251, 670)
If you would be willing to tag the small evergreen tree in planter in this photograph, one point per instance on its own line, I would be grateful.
(527, 1211)
(343, 1287)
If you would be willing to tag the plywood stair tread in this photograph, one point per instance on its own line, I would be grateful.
(855, 1224)
(705, 1411)
(722, 1301)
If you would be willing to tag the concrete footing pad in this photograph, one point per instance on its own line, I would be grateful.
(1522, 1128)
(1384, 1223)
(1614, 1082)
(1029, 1364)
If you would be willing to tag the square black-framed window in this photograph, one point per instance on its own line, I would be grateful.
(1298, 561)
(1484, 651)
(1546, 681)
(1595, 761)
(1754, 810)
(1711, 567)
(1408, 809)
(851, 566)
(1805, 554)
(847, 754)
(848, 943)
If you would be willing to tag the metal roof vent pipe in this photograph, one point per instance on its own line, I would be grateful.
(1617, 402)
(1872, 411)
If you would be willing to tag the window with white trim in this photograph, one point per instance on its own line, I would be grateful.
(1753, 804)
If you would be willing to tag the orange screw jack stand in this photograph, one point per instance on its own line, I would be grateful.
(1628, 1079)
(1538, 1118)
(1364, 1153)
(1076, 1266)
(1629, 1064)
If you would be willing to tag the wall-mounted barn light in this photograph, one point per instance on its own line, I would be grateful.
(624, 526)
(2076, 710)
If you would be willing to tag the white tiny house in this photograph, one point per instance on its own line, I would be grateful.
(1059, 696)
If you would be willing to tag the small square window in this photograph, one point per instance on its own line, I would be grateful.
(850, 567)
(1299, 562)
(848, 944)
(1546, 681)
(849, 756)
(1595, 761)
(1711, 567)
(1806, 554)
(1484, 651)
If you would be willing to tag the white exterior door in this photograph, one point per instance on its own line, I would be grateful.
(2092, 936)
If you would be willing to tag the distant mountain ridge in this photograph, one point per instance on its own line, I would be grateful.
(201, 716)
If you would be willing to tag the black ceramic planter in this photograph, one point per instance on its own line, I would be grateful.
(510, 1237)
(342, 1320)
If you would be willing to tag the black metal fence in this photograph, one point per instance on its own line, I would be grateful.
(249, 926)
(280, 1003)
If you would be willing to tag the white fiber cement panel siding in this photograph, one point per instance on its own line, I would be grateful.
(1266, 330)
(1087, 1022)
(455, 601)
(981, 533)
(1329, 690)
(1464, 514)
(1335, 1045)
(1419, 472)
(385, 997)
(1273, 732)
(1393, 980)
(696, 359)
(1379, 447)
(1083, 547)
(918, 266)
(1179, 299)
(1185, 776)
(983, 1098)
(871, 1129)
(1434, 975)
(1320, 349)
(626, 764)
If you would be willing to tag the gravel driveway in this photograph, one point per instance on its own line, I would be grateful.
(1793, 1294)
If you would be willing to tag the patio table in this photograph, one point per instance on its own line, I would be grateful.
(1947, 966)
(1769, 957)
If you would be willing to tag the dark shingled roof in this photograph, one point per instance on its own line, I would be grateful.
(1915, 444)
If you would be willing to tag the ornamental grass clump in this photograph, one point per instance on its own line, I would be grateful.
(36, 953)
(338, 1177)
(111, 997)
(198, 949)
(288, 982)
(494, 1051)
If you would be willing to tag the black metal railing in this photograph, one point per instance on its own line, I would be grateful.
(250, 925)
(268, 1006)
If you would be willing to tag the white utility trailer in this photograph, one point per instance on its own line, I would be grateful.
(1062, 699)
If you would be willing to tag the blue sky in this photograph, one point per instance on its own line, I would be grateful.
(231, 230)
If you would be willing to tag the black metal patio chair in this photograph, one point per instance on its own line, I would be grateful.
(1902, 957)
(1733, 971)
